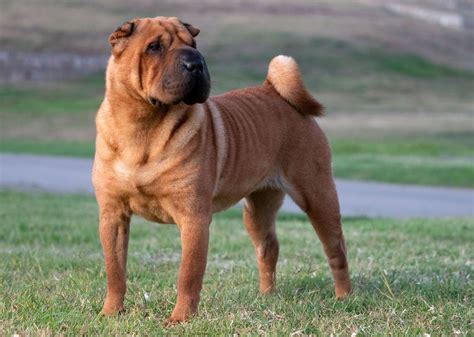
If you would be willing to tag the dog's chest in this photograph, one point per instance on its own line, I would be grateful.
(135, 176)
(141, 184)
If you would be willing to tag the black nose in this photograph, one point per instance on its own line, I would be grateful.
(193, 65)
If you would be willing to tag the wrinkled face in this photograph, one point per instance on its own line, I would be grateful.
(157, 59)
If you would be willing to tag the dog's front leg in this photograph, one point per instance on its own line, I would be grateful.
(114, 231)
(194, 245)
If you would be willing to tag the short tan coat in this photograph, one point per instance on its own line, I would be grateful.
(179, 163)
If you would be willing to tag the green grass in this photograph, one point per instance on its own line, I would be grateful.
(66, 148)
(30, 102)
(411, 277)
(51, 101)
(412, 66)
(436, 160)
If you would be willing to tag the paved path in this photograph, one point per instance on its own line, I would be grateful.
(72, 175)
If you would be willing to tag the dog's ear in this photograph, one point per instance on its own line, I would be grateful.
(119, 37)
(193, 30)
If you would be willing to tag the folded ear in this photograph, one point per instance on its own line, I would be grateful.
(193, 30)
(118, 38)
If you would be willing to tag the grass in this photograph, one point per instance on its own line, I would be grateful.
(411, 277)
(434, 160)
(55, 148)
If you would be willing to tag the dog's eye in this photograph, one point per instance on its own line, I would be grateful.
(154, 46)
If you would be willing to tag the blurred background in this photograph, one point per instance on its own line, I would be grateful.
(397, 78)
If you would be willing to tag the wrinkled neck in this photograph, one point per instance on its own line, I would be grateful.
(127, 104)
(128, 115)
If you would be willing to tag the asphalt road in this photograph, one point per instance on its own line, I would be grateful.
(73, 175)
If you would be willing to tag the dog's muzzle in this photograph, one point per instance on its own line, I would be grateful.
(195, 75)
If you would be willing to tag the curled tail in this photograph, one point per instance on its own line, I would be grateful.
(284, 76)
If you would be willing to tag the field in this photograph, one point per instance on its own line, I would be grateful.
(410, 276)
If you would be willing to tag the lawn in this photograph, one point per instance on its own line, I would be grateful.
(411, 277)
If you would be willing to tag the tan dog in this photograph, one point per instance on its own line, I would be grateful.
(164, 157)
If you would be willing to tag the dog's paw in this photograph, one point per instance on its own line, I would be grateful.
(112, 311)
(169, 323)
(342, 293)
(179, 317)
(343, 289)
(267, 289)
(113, 305)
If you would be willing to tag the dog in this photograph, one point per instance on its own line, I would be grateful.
(169, 153)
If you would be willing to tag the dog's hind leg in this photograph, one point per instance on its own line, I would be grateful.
(260, 213)
(311, 185)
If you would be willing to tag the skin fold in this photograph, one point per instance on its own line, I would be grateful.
(168, 152)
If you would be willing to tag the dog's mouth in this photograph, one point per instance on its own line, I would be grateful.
(190, 99)
(198, 92)
(193, 97)
(189, 90)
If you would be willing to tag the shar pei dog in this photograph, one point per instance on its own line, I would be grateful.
(169, 153)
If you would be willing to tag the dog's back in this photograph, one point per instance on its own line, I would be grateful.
(268, 129)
